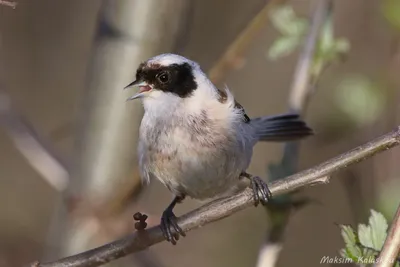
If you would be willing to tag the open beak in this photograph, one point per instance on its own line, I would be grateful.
(144, 88)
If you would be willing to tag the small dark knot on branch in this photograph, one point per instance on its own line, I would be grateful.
(141, 223)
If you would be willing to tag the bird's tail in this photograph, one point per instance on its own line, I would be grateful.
(280, 128)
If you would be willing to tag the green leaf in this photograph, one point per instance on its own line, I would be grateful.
(293, 30)
(297, 27)
(286, 22)
(351, 250)
(368, 243)
(369, 253)
(283, 47)
(342, 45)
(348, 234)
(326, 39)
(379, 228)
(374, 235)
(343, 253)
(364, 234)
(328, 48)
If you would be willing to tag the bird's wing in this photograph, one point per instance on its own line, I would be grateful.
(223, 97)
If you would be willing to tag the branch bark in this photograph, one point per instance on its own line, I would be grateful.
(222, 208)
(391, 247)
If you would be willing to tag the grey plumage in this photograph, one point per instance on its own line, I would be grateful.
(280, 128)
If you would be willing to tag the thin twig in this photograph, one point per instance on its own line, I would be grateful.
(222, 208)
(301, 82)
(40, 155)
(391, 247)
(236, 50)
(11, 4)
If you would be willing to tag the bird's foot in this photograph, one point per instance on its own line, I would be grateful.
(261, 191)
(168, 221)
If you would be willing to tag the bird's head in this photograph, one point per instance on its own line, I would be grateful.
(167, 75)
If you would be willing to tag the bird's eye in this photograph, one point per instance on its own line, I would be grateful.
(163, 77)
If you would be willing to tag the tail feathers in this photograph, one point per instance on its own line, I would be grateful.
(281, 128)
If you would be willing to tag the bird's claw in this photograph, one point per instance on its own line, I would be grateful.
(168, 221)
(261, 191)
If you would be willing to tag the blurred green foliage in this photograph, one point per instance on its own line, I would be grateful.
(360, 99)
(391, 11)
(293, 30)
(329, 49)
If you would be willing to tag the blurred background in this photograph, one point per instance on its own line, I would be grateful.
(68, 173)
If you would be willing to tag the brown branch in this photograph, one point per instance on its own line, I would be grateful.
(222, 208)
(391, 247)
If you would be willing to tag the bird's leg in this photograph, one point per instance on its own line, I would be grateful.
(260, 189)
(168, 221)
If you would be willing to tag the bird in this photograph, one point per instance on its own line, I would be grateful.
(197, 139)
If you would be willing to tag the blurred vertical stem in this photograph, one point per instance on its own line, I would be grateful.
(105, 170)
(302, 86)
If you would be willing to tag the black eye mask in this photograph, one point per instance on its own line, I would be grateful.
(176, 78)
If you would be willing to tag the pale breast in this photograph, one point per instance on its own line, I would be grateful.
(193, 155)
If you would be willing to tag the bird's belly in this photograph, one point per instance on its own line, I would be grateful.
(199, 172)
(200, 161)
